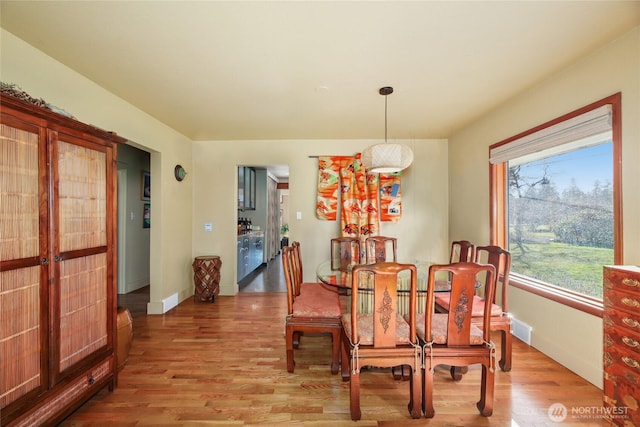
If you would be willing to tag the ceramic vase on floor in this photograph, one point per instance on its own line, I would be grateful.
(125, 336)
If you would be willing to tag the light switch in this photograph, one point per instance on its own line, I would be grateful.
(208, 227)
(133, 215)
(298, 215)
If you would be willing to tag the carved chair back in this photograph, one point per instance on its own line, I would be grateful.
(380, 249)
(462, 251)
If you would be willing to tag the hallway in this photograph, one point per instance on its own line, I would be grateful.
(266, 278)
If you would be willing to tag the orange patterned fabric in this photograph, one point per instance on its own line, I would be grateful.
(328, 183)
(390, 197)
(365, 198)
(439, 329)
(365, 328)
(359, 197)
(317, 304)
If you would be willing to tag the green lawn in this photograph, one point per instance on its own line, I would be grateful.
(577, 268)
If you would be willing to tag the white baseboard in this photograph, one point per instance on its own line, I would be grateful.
(163, 306)
(521, 330)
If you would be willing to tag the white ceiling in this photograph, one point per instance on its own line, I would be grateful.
(312, 69)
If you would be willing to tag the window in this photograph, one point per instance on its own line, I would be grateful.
(555, 193)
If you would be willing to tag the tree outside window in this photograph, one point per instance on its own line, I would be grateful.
(561, 218)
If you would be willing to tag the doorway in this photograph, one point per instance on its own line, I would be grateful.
(133, 235)
(260, 201)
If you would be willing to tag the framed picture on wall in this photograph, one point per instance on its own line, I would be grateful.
(146, 216)
(145, 186)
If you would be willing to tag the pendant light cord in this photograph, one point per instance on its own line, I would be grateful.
(385, 118)
(386, 91)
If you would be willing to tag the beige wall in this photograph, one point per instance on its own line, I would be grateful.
(571, 337)
(171, 257)
(422, 232)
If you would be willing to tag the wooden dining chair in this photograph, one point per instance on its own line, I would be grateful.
(500, 317)
(381, 248)
(309, 312)
(462, 251)
(300, 284)
(382, 337)
(345, 252)
(452, 338)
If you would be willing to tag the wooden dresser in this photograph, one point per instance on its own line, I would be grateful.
(57, 263)
(622, 344)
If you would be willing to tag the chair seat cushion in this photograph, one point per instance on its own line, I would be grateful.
(443, 299)
(439, 329)
(317, 304)
(365, 328)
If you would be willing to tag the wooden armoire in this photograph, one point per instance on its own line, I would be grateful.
(58, 267)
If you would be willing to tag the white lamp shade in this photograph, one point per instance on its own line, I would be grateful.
(387, 158)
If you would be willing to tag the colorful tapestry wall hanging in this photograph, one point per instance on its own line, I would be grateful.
(365, 198)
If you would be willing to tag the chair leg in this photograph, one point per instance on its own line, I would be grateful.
(289, 334)
(458, 371)
(485, 404)
(354, 396)
(415, 387)
(335, 349)
(427, 392)
(296, 339)
(505, 357)
(345, 362)
(401, 372)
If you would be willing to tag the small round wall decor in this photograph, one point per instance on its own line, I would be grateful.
(179, 172)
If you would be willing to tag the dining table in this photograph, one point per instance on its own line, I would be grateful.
(340, 277)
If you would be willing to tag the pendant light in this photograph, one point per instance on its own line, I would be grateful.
(388, 157)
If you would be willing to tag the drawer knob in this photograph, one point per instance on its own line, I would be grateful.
(630, 342)
(630, 322)
(630, 362)
(630, 302)
(631, 282)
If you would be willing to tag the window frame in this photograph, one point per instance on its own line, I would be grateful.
(498, 209)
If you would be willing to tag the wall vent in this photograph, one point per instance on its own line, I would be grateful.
(521, 330)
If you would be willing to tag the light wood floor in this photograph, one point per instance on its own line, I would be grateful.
(224, 364)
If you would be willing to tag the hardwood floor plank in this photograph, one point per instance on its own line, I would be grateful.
(224, 364)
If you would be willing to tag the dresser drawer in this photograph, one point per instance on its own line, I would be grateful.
(622, 299)
(66, 395)
(623, 319)
(622, 339)
(623, 279)
(616, 358)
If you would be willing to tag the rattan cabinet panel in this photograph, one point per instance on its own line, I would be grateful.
(57, 263)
